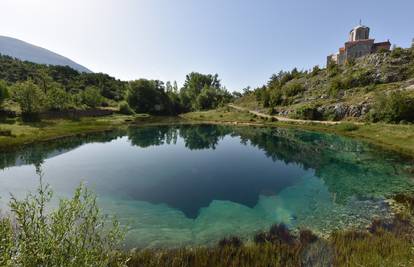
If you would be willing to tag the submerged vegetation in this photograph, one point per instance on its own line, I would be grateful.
(75, 233)
(385, 243)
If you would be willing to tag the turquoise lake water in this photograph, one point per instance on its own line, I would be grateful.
(174, 186)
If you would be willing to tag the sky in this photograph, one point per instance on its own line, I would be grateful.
(244, 41)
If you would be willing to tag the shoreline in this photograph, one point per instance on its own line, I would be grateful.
(23, 134)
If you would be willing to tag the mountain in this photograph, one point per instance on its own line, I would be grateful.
(25, 51)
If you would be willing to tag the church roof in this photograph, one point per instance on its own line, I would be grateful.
(359, 27)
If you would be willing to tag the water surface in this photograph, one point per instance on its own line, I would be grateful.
(191, 185)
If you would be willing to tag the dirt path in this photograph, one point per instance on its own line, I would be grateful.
(279, 118)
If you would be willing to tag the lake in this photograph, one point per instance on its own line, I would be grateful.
(188, 185)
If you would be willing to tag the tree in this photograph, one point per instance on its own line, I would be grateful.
(148, 96)
(168, 87)
(203, 91)
(57, 98)
(395, 107)
(29, 97)
(4, 92)
(92, 97)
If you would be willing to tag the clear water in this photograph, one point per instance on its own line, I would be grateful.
(192, 185)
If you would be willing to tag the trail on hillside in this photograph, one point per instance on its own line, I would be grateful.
(280, 118)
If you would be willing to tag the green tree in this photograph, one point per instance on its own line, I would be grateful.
(125, 109)
(4, 92)
(148, 96)
(394, 107)
(57, 98)
(203, 91)
(29, 97)
(92, 97)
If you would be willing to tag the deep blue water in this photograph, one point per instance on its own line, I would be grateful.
(192, 185)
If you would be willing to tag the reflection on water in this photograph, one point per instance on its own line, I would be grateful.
(186, 185)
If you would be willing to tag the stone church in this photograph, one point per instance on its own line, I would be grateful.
(359, 45)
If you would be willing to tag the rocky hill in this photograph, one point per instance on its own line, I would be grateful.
(25, 51)
(357, 90)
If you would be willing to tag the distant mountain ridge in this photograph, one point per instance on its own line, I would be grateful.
(24, 51)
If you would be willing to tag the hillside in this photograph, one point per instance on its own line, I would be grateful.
(25, 51)
(358, 90)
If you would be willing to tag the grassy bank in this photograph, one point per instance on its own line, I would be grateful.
(14, 133)
(17, 133)
(394, 137)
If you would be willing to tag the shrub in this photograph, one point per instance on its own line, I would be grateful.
(293, 88)
(397, 52)
(125, 109)
(4, 93)
(335, 86)
(92, 97)
(315, 71)
(29, 97)
(74, 234)
(58, 99)
(393, 108)
(308, 112)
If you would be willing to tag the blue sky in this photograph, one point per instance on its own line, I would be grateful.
(244, 41)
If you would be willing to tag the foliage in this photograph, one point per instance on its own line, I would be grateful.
(308, 112)
(125, 109)
(74, 234)
(203, 91)
(13, 71)
(397, 52)
(148, 96)
(293, 88)
(4, 93)
(395, 107)
(29, 97)
(58, 99)
(92, 97)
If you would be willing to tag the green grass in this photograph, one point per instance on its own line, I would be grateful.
(22, 133)
(221, 115)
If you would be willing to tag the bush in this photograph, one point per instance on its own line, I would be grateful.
(58, 99)
(335, 86)
(293, 88)
(29, 97)
(397, 52)
(74, 234)
(4, 93)
(393, 108)
(125, 109)
(92, 97)
(308, 112)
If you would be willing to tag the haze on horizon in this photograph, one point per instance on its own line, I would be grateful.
(243, 41)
